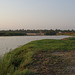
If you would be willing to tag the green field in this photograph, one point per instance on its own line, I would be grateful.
(40, 57)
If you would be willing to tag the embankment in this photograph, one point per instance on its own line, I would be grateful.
(41, 57)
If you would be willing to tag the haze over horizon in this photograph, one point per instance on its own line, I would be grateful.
(37, 14)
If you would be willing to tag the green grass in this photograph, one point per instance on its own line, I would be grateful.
(17, 62)
(52, 45)
(71, 38)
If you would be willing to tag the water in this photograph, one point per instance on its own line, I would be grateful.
(11, 42)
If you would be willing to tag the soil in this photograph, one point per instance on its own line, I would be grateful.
(55, 63)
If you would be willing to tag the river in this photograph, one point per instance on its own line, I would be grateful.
(8, 43)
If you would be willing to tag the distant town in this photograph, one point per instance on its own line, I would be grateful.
(22, 32)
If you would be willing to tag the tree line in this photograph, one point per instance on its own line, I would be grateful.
(22, 32)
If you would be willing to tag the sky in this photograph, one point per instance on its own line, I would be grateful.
(37, 14)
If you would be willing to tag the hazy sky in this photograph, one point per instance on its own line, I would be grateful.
(37, 14)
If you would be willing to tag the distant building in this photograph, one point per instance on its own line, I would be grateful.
(59, 32)
(35, 34)
(31, 34)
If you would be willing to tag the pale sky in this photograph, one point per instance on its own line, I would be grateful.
(37, 14)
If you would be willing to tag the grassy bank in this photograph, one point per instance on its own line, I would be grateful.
(40, 57)
(67, 33)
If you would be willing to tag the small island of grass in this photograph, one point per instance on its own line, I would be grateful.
(41, 57)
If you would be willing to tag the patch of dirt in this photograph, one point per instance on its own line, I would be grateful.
(69, 56)
(56, 63)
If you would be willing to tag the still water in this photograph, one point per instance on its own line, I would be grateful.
(11, 42)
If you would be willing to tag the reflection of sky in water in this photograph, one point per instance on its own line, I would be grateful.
(8, 43)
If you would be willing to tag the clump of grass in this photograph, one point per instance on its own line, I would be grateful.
(16, 62)
(3, 69)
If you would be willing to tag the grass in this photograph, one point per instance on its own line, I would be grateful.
(52, 45)
(67, 33)
(23, 60)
